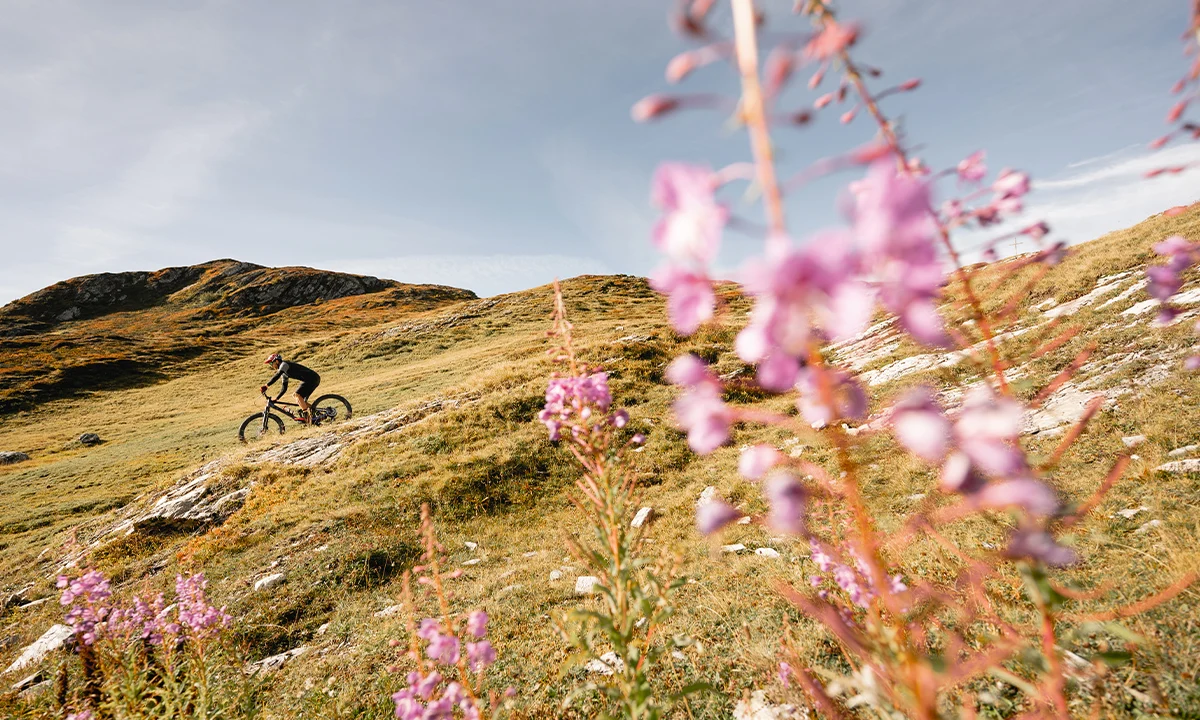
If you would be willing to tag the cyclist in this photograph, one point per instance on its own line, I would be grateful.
(309, 380)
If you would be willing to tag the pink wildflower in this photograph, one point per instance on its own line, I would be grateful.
(831, 40)
(850, 400)
(690, 230)
(1039, 545)
(690, 297)
(896, 234)
(755, 461)
(480, 655)
(786, 496)
(705, 417)
(972, 168)
(713, 515)
(477, 623)
(920, 425)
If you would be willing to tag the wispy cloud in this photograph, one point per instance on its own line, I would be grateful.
(157, 188)
(484, 274)
(1100, 195)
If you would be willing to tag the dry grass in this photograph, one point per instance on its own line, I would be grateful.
(345, 532)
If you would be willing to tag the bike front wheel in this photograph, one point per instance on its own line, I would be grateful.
(257, 427)
(331, 408)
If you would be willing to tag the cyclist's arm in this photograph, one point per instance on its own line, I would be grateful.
(281, 374)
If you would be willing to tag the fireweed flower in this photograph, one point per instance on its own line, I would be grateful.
(571, 401)
(1163, 281)
(980, 444)
(896, 233)
(88, 602)
(795, 288)
(755, 461)
(786, 496)
(1039, 545)
(714, 515)
(972, 169)
(690, 297)
(480, 655)
(700, 410)
(477, 623)
(201, 619)
(689, 234)
(850, 400)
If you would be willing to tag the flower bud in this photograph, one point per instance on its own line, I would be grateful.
(652, 107)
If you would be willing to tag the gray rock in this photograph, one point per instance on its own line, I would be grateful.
(1133, 440)
(608, 664)
(275, 662)
(389, 611)
(1180, 466)
(555, 575)
(89, 439)
(735, 548)
(12, 457)
(767, 552)
(586, 584)
(1185, 450)
(20, 597)
(269, 582)
(28, 682)
(33, 654)
(642, 516)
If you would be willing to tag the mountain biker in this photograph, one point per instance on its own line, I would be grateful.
(309, 380)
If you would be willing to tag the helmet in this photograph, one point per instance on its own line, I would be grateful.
(273, 358)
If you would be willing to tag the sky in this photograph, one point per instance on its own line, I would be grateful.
(489, 145)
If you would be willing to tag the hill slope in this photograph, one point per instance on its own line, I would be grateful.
(129, 329)
(444, 401)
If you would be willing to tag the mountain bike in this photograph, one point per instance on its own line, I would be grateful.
(325, 410)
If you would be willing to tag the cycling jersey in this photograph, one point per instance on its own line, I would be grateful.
(309, 379)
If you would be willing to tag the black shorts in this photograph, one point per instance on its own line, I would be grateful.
(307, 387)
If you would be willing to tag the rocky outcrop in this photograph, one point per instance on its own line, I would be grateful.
(51, 640)
(11, 457)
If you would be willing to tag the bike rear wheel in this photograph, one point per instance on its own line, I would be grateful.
(330, 409)
(255, 427)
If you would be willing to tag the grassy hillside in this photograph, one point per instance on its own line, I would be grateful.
(444, 404)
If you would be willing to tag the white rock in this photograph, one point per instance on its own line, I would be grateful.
(33, 654)
(677, 655)
(737, 547)
(273, 663)
(916, 496)
(531, 553)
(708, 494)
(1133, 440)
(555, 575)
(586, 584)
(389, 611)
(1180, 466)
(508, 589)
(472, 561)
(1185, 450)
(270, 581)
(744, 520)
(757, 708)
(323, 548)
(325, 628)
(1102, 288)
(1147, 527)
(470, 545)
(607, 664)
(767, 552)
(640, 519)
(1130, 512)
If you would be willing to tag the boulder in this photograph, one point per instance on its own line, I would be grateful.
(51, 640)
(273, 663)
(12, 457)
(586, 584)
(89, 438)
(269, 582)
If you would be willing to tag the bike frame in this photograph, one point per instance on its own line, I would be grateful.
(278, 404)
